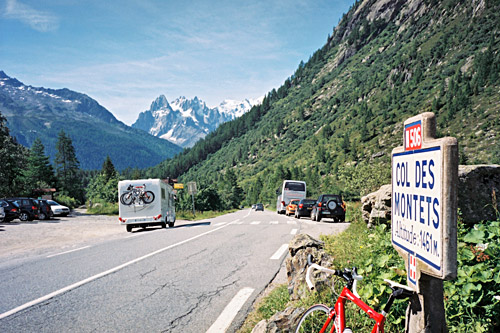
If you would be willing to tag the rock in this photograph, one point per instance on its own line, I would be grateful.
(376, 206)
(302, 241)
(479, 192)
(300, 247)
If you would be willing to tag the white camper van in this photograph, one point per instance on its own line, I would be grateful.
(146, 202)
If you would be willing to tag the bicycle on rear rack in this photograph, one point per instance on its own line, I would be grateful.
(321, 318)
(137, 195)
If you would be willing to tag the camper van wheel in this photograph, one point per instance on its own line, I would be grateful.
(129, 228)
(171, 224)
(163, 225)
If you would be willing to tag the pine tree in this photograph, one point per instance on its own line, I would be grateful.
(38, 172)
(108, 169)
(12, 159)
(67, 167)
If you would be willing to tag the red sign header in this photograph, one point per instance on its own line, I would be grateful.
(413, 136)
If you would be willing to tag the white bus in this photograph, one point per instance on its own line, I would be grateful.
(146, 202)
(291, 189)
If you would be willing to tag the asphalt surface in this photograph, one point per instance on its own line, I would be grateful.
(86, 273)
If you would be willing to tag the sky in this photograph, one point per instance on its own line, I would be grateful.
(126, 53)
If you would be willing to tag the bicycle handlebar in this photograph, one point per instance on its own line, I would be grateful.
(350, 275)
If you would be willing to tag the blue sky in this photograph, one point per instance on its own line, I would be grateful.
(126, 53)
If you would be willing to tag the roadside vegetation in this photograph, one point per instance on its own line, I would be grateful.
(472, 300)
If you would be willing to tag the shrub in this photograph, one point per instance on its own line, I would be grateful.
(66, 201)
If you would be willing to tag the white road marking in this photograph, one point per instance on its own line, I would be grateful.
(273, 222)
(58, 254)
(291, 222)
(293, 232)
(219, 224)
(230, 311)
(255, 222)
(280, 252)
(100, 275)
(249, 211)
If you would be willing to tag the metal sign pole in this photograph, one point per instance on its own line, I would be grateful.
(192, 190)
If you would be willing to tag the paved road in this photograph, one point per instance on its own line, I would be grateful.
(196, 277)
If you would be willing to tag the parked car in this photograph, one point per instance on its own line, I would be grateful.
(253, 206)
(304, 208)
(290, 208)
(259, 206)
(329, 205)
(44, 210)
(28, 207)
(11, 210)
(58, 209)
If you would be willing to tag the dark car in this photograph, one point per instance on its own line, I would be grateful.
(304, 208)
(29, 208)
(329, 205)
(259, 206)
(44, 210)
(11, 210)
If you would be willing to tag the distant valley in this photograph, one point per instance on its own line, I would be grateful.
(33, 112)
(158, 134)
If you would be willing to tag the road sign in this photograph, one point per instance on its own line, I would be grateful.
(178, 186)
(424, 182)
(192, 188)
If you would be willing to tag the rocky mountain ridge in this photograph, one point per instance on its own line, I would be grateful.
(33, 112)
(185, 121)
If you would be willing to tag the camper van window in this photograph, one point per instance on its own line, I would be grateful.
(292, 186)
(163, 196)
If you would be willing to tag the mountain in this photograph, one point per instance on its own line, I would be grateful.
(185, 121)
(336, 119)
(33, 112)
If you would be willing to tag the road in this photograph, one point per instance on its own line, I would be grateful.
(196, 277)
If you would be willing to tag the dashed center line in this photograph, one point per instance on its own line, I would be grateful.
(255, 222)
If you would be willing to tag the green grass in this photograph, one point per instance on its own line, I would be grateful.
(103, 208)
(188, 215)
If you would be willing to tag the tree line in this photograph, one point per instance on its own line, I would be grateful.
(24, 172)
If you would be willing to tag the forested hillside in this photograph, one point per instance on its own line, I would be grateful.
(335, 121)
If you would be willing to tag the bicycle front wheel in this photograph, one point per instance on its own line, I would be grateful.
(315, 320)
(148, 197)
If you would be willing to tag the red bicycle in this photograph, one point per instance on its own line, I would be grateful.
(321, 318)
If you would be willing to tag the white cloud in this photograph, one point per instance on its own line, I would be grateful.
(36, 19)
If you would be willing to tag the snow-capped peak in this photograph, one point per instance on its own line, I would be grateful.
(185, 121)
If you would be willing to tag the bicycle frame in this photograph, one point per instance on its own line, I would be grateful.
(338, 313)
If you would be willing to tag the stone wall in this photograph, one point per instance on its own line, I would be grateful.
(478, 196)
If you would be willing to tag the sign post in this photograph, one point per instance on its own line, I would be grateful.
(192, 190)
(424, 217)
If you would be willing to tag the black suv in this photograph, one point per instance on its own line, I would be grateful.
(329, 205)
(29, 208)
(11, 210)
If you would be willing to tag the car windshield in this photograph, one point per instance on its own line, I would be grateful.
(295, 202)
(309, 202)
(52, 203)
